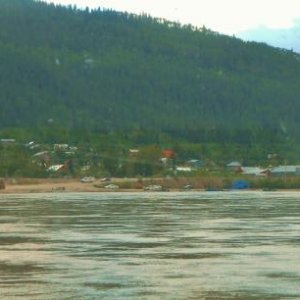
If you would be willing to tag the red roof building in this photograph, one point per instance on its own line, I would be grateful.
(168, 153)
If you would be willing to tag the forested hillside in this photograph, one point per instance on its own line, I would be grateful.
(105, 70)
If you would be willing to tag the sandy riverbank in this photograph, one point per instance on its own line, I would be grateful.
(74, 185)
(55, 185)
(35, 185)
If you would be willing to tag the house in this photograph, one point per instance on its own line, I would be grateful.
(41, 154)
(169, 153)
(56, 168)
(195, 164)
(286, 170)
(256, 171)
(73, 148)
(234, 166)
(29, 144)
(134, 152)
(61, 147)
(7, 141)
(164, 161)
(183, 169)
(42, 158)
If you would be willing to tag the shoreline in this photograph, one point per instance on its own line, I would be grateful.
(52, 186)
(61, 185)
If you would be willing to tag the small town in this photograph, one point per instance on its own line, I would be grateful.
(151, 168)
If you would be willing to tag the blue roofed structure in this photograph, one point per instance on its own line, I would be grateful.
(240, 185)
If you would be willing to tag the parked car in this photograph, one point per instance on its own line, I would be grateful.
(154, 188)
(105, 179)
(112, 186)
(87, 179)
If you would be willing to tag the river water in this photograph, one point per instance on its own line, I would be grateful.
(185, 245)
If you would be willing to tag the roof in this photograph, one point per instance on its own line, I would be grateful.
(240, 185)
(285, 169)
(168, 153)
(252, 170)
(7, 140)
(183, 169)
(234, 164)
(55, 168)
(134, 150)
(40, 153)
(194, 161)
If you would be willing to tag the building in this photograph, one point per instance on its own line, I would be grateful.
(282, 171)
(195, 164)
(183, 169)
(256, 171)
(234, 166)
(7, 141)
(169, 153)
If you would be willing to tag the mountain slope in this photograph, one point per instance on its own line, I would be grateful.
(107, 70)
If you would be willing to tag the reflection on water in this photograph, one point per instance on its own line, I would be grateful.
(209, 245)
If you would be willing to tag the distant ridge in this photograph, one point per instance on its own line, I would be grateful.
(287, 38)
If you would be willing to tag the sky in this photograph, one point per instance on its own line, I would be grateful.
(231, 17)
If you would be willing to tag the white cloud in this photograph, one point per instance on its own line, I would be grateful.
(227, 16)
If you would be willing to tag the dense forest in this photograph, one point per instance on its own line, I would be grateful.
(106, 70)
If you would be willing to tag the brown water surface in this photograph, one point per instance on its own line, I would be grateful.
(205, 245)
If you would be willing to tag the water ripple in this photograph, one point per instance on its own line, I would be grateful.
(195, 245)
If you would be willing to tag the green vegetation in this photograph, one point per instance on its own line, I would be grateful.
(134, 153)
(105, 82)
(105, 70)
